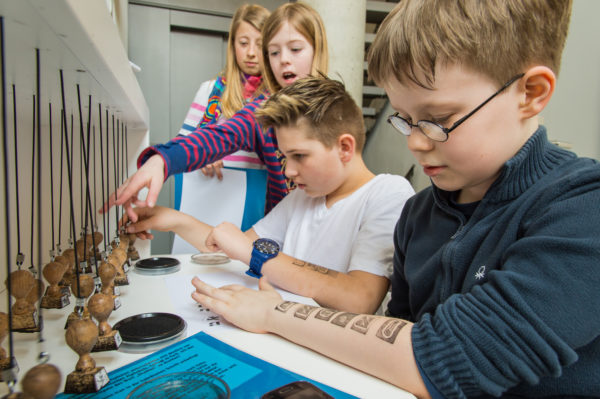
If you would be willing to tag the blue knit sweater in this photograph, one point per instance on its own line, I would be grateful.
(507, 301)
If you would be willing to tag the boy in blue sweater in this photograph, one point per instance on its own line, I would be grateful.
(495, 290)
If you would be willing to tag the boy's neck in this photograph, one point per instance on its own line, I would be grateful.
(357, 176)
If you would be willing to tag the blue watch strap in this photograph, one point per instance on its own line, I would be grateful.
(255, 265)
(263, 249)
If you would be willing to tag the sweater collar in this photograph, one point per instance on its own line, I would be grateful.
(535, 159)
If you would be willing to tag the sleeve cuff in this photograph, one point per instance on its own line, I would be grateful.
(433, 392)
(146, 154)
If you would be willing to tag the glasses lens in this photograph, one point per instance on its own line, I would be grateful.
(432, 130)
(400, 124)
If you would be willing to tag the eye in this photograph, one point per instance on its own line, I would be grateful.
(296, 49)
(441, 120)
(273, 53)
(406, 119)
(298, 157)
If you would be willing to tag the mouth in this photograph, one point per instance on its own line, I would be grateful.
(432, 171)
(289, 77)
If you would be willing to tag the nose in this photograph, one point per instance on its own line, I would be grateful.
(252, 50)
(290, 170)
(285, 56)
(418, 142)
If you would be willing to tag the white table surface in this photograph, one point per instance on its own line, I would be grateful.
(149, 294)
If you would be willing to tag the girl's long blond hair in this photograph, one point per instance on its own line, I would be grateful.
(308, 22)
(232, 99)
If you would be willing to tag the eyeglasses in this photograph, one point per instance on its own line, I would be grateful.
(434, 130)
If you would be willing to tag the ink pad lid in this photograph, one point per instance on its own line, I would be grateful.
(157, 266)
(147, 332)
(210, 258)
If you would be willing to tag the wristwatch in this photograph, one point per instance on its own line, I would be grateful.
(263, 249)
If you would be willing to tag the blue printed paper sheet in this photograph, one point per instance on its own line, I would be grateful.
(246, 375)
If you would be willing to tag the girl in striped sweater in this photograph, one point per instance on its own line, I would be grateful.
(295, 45)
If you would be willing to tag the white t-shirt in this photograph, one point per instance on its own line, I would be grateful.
(356, 233)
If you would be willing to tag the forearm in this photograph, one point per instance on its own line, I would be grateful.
(193, 231)
(356, 291)
(379, 346)
(207, 144)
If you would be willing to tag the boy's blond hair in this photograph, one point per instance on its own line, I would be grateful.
(232, 99)
(322, 103)
(308, 22)
(498, 38)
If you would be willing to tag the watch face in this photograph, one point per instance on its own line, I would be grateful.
(266, 246)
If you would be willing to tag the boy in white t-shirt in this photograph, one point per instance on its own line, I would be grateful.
(329, 239)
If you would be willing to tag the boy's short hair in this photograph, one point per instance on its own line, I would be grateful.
(321, 102)
(498, 38)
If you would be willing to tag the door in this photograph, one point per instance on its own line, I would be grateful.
(175, 58)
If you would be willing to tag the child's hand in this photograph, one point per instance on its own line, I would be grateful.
(156, 218)
(150, 175)
(214, 169)
(246, 308)
(230, 239)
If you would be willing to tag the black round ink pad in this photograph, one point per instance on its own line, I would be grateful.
(147, 332)
(157, 266)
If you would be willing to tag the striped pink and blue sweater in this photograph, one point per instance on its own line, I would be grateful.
(210, 143)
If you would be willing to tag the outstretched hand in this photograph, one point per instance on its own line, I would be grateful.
(146, 219)
(151, 175)
(246, 308)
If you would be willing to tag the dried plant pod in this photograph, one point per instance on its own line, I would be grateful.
(42, 381)
(36, 292)
(132, 237)
(81, 336)
(70, 254)
(22, 281)
(107, 272)
(53, 272)
(101, 306)
(55, 297)
(124, 238)
(121, 254)
(86, 286)
(63, 259)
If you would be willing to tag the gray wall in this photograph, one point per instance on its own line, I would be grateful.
(572, 116)
(177, 51)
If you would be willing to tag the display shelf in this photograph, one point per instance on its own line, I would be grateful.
(80, 39)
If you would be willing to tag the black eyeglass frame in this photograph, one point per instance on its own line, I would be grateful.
(447, 130)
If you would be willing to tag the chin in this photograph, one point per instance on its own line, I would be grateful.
(445, 185)
(313, 194)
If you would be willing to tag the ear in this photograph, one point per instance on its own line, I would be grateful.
(346, 146)
(538, 84)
